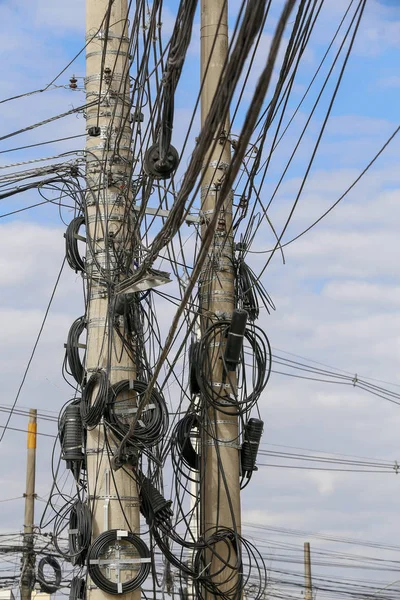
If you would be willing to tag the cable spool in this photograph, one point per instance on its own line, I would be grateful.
(80, 531)
(93, 410)
(71, 244)
(182, 434)
(46, 586)
(78, 589)
(251, 435)
(72, 350)
(131, 551)
(71, 436)
(151, 426)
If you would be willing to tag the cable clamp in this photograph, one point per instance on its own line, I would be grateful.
(225, 443)
(218, 384)
(355, 380)
(225, 421)
(219, 164)
(117, 561)
(121, 533)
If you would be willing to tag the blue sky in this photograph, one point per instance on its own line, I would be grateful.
(337, 297)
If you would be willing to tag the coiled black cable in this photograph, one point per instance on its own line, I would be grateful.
(152, 425)
(181, 435)
(49, 587)
(211, 352)
(80, 531)
(101, 544)
(74, 259)
(78, 589)
(93, 410)
(72, 350)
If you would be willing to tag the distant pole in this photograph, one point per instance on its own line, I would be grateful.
(28, 555)
(307, 572)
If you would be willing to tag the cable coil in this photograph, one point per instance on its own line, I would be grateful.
(80, 531)
(74, 259)
(49, 587)
(101, 546)
(72, 350)
(151, 426)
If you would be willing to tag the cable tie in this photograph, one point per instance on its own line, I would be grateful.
(121, 533)
(226, 443)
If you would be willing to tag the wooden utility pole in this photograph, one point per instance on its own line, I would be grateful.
(113, 495)
(307, 572)
(28, 554)
(220, 486)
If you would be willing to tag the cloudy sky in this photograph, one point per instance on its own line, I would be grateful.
(337, 296)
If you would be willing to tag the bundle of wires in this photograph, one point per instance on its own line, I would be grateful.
(74, 259)
(79, 534)
(72, 356)
(249, 290)
(93, 410)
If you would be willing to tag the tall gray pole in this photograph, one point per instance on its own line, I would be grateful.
(220, 488)
(113, 495)
(28, 555)
(307, 572)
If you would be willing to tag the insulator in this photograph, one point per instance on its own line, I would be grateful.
(72, 435)
(157, 168)
(234, 343)
(73, 83)
(251, 440)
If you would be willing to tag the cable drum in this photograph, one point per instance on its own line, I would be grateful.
(49, 586)
(93, 409)
(125, 399)
(74, 259)
(131, 554)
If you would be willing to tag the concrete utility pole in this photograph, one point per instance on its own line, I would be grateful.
(113, 495)
(307, 572)
(28, 555)
(220, 487)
